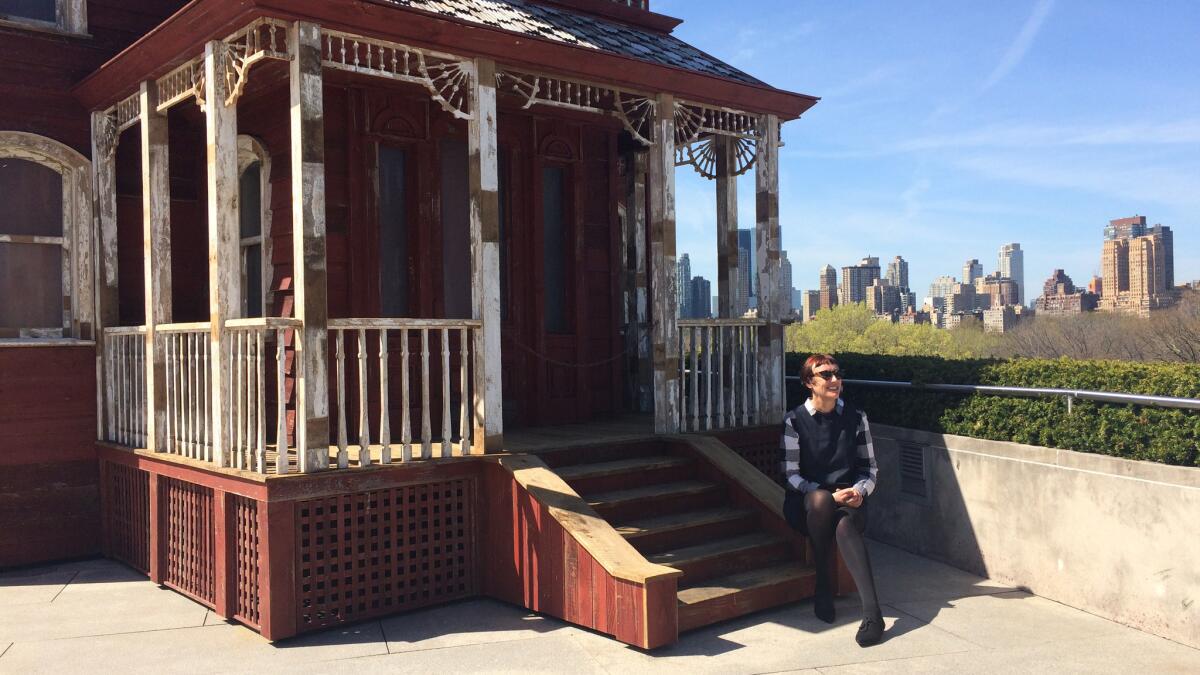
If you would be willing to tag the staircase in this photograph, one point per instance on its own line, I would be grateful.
(677, 511)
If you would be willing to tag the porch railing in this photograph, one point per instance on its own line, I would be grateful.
(189, 389)
(125, 385)
(367, 354)
(258, 357)
(718, 373)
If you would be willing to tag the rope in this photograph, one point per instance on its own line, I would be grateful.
(547, 359)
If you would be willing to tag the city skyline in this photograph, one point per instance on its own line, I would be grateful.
(926, 147)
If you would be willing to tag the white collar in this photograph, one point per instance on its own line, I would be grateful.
(812, 410)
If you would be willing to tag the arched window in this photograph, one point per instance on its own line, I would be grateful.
(254, 185)
(46, 285)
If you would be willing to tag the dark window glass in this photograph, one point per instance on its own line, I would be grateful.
(40, 10)
(254, 281)
(31, 195)
(554, 254)
(503, 227)
(250, 203)
(31, 290)
(456, 230)
(393, 232)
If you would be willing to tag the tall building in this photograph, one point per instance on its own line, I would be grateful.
(747, 274)
(883, 298)
(829, 288)
(683, 280)
(812, 302)
(1058, 284)
(1134, 267)
(856, 279)
(943, 287)
(785, 284)
(1168, 239)
(997, 291)
(1011, 264)
(972, 270)
(1096, 285)
(897, 272)
(699, 298)
(1060, 297)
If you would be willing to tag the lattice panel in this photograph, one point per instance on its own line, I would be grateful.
(372, 553)
(127, 515)
(766, 458)
(187, 510)
(246, 542)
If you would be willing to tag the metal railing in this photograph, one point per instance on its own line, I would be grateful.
(1071, 395)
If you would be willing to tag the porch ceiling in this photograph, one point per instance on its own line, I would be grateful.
(515, 32)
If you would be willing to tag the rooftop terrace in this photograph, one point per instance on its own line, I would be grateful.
(99, 615)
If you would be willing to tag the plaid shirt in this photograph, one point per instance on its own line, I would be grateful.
(867, 468)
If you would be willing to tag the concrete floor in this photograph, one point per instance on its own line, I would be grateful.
(98, 616)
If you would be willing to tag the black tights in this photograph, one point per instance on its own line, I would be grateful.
(827, 520)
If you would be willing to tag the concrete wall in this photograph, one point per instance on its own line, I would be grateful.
(1114, 537)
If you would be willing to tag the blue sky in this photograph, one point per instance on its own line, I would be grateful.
(947, 128)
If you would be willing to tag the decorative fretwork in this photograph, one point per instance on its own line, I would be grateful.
(448, 78)
(106, 134)
(635, 111)
(184, 82)
(127, 112)
(702, 156)
(265, 38)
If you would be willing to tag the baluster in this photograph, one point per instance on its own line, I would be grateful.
(179, 378)
(426, 432)
(206, 441)
(281, 442)
(193, 391)
(721, 377)
(405, 423)
(745, 348)
(385, 431)
(695, 380)
(122, 376)
(364, 426)
(343, 458)
(708, 347)
(683, 380)
(141, 390)
(261, 392)
(464, 420)
(447, 449)
(251, 397)
(757, 414)
(239, 401)
(170, 358)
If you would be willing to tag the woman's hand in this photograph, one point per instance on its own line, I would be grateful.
(848, 497)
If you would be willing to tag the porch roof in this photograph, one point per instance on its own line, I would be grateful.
(517, 32)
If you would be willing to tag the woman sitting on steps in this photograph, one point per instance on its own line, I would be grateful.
(829, 463)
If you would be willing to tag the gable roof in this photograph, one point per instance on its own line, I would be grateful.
(579, 30)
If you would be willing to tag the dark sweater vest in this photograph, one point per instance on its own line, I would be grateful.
(829, 446)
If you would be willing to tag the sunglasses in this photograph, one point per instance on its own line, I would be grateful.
(828, 375)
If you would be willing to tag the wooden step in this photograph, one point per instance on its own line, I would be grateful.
(738, 594)
(675, 530)
(624, 473)
(621, 505)
(600, 453)
(725, 556)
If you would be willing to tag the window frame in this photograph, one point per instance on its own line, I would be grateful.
(251, 151)
(78, 283)
(70, 19)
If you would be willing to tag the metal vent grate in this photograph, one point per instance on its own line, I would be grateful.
(913, 478)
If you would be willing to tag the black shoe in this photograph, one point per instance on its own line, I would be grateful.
(870, 631)
(823, 607)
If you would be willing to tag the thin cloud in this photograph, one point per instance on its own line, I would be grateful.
(1020, 45)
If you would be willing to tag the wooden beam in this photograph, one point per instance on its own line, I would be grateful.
(768, 244)
(224, 254)
(727, 227)
(309, 273)
(104, 194)
(637, 334)
(485, 259)
(664, 331)
(156, 256)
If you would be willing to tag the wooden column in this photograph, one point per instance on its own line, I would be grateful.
(104, 195)
(727, 227)
(308, 246)
(224, 253)
(638, 338)
(485, 260)
(156, 257)
(664, 329)
(767, 244)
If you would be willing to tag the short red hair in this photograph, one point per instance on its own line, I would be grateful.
(806, 373)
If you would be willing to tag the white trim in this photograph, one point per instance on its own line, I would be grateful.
(76, 241)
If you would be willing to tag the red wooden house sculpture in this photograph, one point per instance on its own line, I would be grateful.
(298, 299)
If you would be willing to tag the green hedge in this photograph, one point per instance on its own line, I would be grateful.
(1156, 434)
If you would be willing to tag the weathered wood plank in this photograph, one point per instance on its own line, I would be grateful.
(664, 330)
(308, 245)
(727, 227)
(768, 245)
(156, 252)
